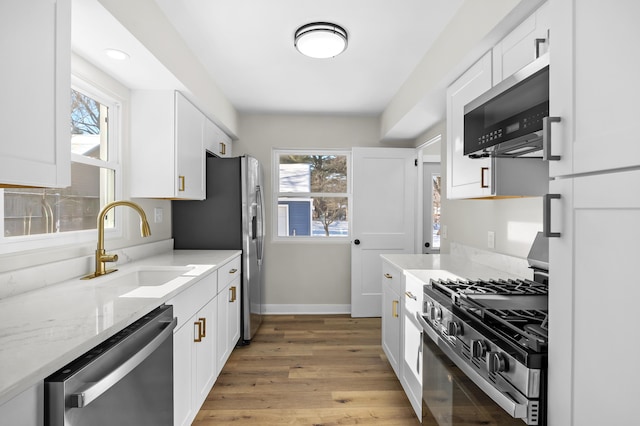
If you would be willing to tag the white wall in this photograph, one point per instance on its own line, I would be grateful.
(303, 273)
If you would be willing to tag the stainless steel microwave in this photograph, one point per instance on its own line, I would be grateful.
(507, 120)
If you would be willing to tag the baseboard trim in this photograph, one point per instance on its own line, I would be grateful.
(305, 309)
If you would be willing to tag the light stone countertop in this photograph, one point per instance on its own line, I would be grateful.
(44, 329)
(419, 266)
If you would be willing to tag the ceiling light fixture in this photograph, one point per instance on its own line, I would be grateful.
(320, 40)
(116, 54)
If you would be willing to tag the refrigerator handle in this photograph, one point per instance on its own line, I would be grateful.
(260, 218)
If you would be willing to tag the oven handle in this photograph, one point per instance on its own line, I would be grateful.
(514, 408)
(94, 390)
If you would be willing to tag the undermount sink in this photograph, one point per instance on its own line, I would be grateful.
(149, 281)
(151, 276)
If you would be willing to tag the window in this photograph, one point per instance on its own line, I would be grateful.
(312, 193)
(30, 213)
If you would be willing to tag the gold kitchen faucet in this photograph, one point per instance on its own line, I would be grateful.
(101, 256)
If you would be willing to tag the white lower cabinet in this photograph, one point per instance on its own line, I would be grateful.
(391, 310)
(208, 330)
(25, 409)
(194, 347)
(228, 321)
(411, 370)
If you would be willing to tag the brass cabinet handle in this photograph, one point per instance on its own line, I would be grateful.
(394, 309)
(204, 326)
(223, 148)
(233, 271)
(410, 295)
(233, 294)
(386, 275)
(181, 186)
(483, 183)
(198, 325)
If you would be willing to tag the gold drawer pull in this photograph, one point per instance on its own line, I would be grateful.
(410, 295)
(181, 186)
(394, 309)
(204, 326)
(233, 294)
(223, 148)
(233, 271)
(386, 275)
(198, 324)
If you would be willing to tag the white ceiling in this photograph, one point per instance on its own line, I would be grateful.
(247, 46)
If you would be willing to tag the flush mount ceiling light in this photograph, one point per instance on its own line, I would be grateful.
(116, 54)
(320, 40)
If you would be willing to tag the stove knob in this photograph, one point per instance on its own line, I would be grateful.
(427, 309)
(454, 329)
(438, 313)
(496, 362)
(478, 348)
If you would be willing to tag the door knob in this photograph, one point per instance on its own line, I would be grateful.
(356, 242)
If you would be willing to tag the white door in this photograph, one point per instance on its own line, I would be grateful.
(384, 181)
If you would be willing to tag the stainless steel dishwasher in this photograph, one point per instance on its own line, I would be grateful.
(126, 380)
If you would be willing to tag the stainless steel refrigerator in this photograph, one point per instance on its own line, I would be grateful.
(231, 217)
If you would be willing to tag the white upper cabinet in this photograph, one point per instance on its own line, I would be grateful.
(594, 85)
(35, 77)
(523, 45)
(495, 177)
(215, 140)
(167, 150)
(466, 177)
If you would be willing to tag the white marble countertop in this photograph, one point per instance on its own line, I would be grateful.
(419, 266)
(42, 330)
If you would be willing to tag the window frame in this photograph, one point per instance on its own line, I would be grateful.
(276, 195)
(113, 162)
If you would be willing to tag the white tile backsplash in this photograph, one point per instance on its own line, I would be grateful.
(510, 264)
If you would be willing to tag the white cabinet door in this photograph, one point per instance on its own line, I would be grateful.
(466, 177)
(215, 140)
(593, 292)
(411, 369)
(523, 45)
(167, 151)
(183, 375)
(594, 85)
(25, 409)
(190, 155)
(228, 321)
(35, 78)
(205, 343)
(383, 219)
(391, 310)
(194, 347)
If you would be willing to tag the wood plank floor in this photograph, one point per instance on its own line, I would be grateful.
(309, 370)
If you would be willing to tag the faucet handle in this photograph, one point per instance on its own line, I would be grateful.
(108, 257)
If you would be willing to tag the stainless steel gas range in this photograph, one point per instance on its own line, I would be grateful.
(496, 333)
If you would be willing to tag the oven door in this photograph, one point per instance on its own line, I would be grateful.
(449, 397)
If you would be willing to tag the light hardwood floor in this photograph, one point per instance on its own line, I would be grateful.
(309, 370)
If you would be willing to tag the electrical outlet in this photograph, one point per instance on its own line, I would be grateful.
(491, 239)
(443, 231)
(157, 215)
